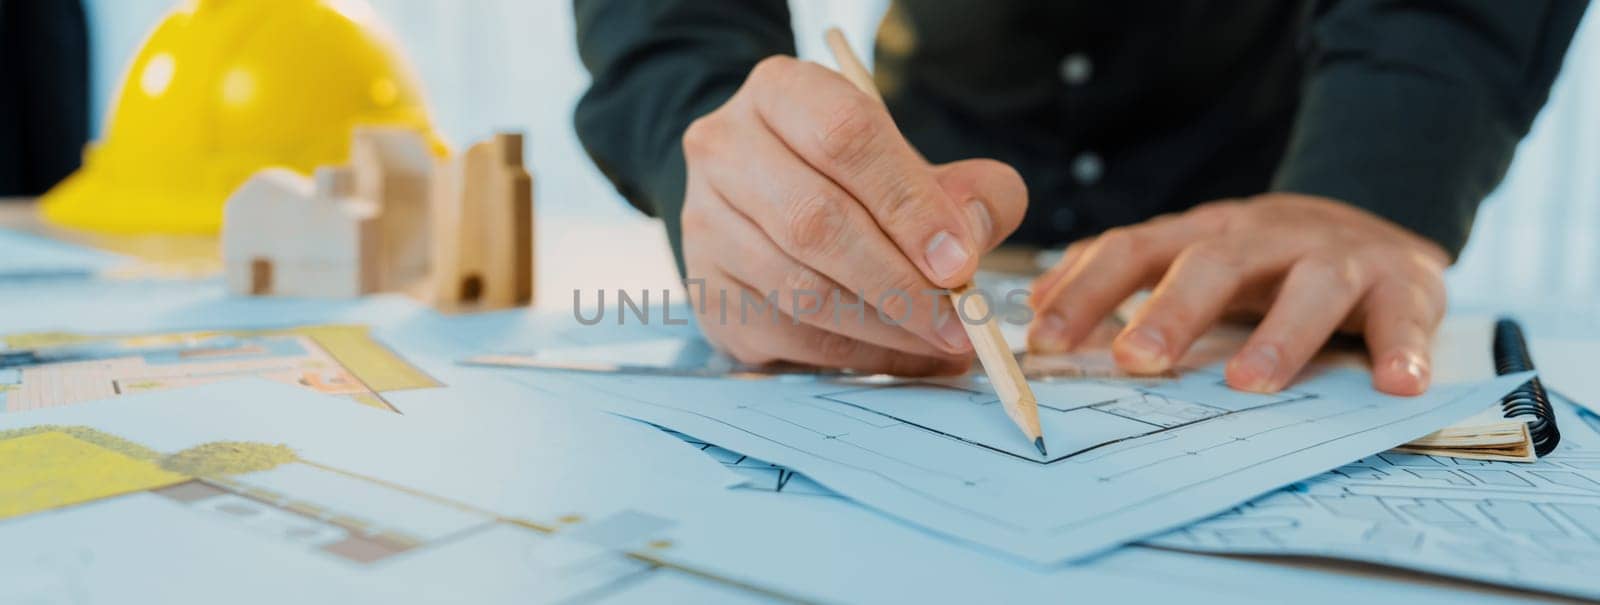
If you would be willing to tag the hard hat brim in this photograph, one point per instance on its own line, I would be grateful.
(86, 203)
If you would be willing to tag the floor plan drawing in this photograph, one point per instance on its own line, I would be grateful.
(59, 369)
(1435, 515)
(1078, 417)
(1129, 460)
(94, 499)
(1526, 525)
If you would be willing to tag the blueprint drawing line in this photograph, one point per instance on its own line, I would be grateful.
(1155, 499)
(1533, 526)
(883, 476)
(948, 435)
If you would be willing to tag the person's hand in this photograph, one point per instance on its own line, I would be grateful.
(801, 186)
(1309, 265)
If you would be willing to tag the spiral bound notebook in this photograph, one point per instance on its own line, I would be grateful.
(1520, 428)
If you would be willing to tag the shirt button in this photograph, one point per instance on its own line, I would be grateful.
(1087, 168)
(1063, 219)
(1076, 69)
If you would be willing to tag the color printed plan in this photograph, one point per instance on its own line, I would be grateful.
(341, 360)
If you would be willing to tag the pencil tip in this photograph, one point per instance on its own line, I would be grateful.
(1038, 442)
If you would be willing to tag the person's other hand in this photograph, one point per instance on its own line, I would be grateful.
(802, 186)
(1308, 265)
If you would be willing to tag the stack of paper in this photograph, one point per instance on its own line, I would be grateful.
(486, 494)
(1487, 435)
(457, 484)
(1126, 461)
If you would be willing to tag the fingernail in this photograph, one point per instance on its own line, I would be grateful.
(1412, 366)
(1254, 368)
(946, 255)
(1050, 335)
(981, 221)
(1146, 348)
(953, 333)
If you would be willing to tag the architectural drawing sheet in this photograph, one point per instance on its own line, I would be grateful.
(266, 493)
(341, 360)
(1533, 526)
(489, 460)
(1127, 460)
(1464, 532)
(377, 350)
(824, 545)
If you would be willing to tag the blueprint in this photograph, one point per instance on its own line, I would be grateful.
(1468, 532)
(458, 491)
(268, 493)
(1127, 460)
(1533, 526)
(24, 257)
(824, 545)
(168, 334)
(63, 368)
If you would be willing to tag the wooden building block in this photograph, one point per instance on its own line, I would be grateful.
(457, 234)
(286, 235)
(392, 168)
(482, 231)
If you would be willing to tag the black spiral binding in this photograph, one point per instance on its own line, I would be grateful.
(1511, 356)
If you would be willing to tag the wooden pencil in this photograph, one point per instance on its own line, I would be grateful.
(993, 353)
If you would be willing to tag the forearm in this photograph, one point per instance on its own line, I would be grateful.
(656, 67)
(1413, 110)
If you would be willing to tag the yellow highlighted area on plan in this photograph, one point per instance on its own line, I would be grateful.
(377, 366)
(51, 469)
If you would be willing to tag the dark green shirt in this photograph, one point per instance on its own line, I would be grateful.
(1115, 112)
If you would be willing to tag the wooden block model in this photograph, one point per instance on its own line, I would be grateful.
(392, 168)
(483, 228)
(455, 233)
(288, 235)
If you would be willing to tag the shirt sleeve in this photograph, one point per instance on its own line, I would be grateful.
(657, 65)
(1412, 110)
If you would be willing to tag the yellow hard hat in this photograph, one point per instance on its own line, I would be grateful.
(223, 88)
